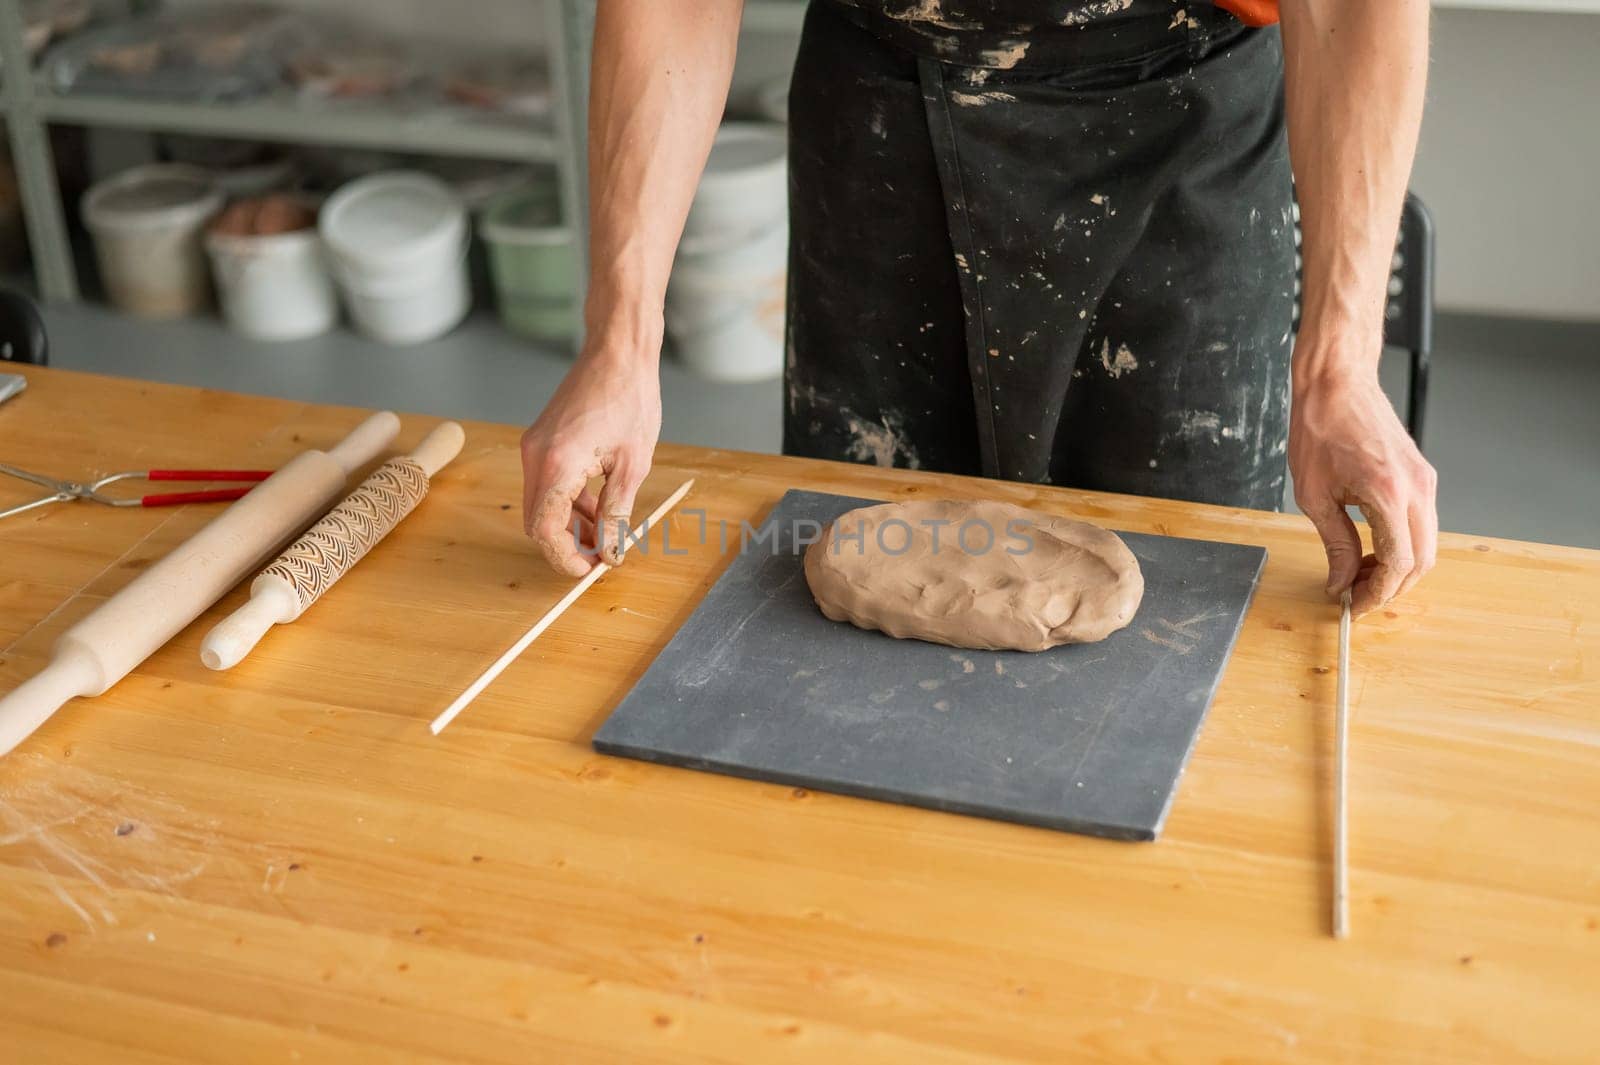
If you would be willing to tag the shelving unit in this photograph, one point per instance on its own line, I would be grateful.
(30, 109)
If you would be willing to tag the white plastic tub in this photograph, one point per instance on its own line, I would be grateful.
(147, 225)
(410, 311)
(725, 306)
(274, 287)
(744, 188)
(397, 245)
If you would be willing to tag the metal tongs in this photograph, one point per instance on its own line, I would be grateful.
(67, 491)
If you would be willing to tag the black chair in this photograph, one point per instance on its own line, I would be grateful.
(22, 337)
(1408, 314)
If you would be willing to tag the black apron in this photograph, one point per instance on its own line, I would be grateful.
(1057, 251)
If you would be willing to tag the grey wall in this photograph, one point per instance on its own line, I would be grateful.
(1510, 161)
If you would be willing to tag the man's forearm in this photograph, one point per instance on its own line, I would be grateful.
(1354, 77)
(659, 82)
(1354, 72)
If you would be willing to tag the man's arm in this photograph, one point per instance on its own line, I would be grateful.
(658, 85)
(1354, 77)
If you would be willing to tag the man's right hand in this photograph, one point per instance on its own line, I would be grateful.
(659, 81)
(602, 422)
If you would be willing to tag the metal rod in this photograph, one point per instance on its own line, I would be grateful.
(1341, 829)
(32, 478)
(476, 688)
(36, 504)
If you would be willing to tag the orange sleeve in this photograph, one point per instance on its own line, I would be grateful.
(1253, 12)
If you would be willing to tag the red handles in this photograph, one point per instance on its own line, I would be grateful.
(210, 495)
(172, 499)
(208, 475)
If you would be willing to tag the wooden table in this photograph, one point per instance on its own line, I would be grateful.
(281, 864)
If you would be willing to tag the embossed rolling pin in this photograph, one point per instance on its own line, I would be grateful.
(155, 606)
(315, 562)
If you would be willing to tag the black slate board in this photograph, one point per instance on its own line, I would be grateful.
(1088, 738)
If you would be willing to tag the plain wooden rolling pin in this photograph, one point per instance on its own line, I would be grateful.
(330, 548)
(155, 606)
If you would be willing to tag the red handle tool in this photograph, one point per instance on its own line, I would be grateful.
(210, 495)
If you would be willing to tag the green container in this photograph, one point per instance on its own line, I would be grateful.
(533, 263)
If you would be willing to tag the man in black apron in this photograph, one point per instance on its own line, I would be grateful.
(1039, 240)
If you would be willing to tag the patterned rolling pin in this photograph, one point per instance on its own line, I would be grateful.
(312, 564)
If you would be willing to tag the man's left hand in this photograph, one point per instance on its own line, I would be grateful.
(1347, 447)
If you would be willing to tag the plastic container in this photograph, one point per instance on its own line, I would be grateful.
(744, 188)
(274, 286)
(397, 245)
(147, 225)
(533, 263)
(725, 306)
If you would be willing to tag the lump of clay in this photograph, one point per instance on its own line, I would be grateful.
(989, 576)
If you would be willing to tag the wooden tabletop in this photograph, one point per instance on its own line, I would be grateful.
(281, 864)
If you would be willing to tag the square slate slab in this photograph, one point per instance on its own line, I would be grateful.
(1086, 738)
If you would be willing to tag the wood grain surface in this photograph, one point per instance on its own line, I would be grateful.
(280, 863)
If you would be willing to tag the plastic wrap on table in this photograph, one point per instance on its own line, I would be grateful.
(212, 53)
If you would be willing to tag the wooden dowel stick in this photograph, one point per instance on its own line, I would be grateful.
(476, 688)
(1341, 827)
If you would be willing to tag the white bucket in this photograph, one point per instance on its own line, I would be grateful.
(745, 186)
(725, 307)
(409, 310)
(397, 244)
(147, 225)
(275, 286)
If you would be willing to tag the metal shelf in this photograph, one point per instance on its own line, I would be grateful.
(442, 131)
(30, 108)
